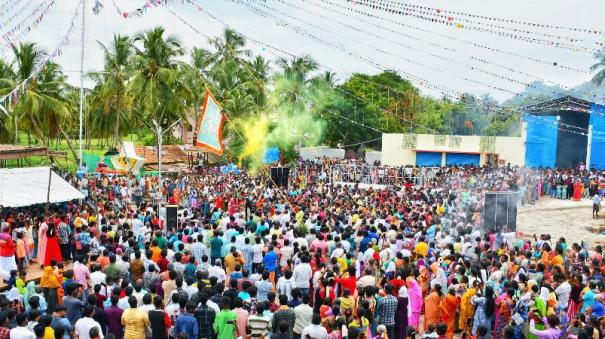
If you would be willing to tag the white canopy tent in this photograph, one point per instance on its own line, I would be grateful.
(21, 187)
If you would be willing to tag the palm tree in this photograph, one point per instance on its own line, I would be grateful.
(42, 104)
(260, 68)
(112, 86)
(158, 84)
(292, 86)
(7, 77)
(599, 77)
(229, 47)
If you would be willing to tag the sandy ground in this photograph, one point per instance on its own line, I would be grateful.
(561, 218)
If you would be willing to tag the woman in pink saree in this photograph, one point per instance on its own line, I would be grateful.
(42, 242)
(415, 303)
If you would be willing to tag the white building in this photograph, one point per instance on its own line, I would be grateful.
(442, 150)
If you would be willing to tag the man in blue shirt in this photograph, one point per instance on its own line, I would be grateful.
(270, 263)
(186, 322)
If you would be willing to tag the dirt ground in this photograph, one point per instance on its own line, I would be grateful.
(561, 218)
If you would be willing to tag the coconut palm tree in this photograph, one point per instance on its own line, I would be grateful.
(158, 84)
(41, 106)
(260, 68)
(293, 84)
(599, 77)
(111, 92)
(7, 77)
(229, 47)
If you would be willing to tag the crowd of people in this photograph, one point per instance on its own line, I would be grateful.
(314, 260)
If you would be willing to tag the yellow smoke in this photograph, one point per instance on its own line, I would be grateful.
(255, 134)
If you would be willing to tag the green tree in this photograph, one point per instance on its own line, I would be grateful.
(42, 107)
(111, 91)
(158, 86)
(599, 67)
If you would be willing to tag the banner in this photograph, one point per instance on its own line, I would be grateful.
(209, 131)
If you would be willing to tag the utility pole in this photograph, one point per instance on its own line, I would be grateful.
(82, 80)
(160, 136)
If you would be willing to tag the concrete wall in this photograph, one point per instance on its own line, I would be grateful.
(321, 151)
(509, 149)
(372, 156)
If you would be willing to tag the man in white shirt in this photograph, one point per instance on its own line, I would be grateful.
(338, 251)
(367, 280)
(286, 284)
(21, 331)
(563, 290)
(97, 277)
(304, 315)
(217, 271)
(302, 275)
(86, 323)
(315, 330)
(286, 252)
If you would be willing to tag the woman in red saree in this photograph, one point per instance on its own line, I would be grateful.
(52, 251)
(577, 190)
(448, 307)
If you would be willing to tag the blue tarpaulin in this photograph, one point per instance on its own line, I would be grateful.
(462, 159)
(271, 155)
(428, 158)
(541, 141)
(597, 149)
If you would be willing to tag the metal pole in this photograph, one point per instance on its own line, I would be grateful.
(82, 80)
(50, 175)
(158, 130)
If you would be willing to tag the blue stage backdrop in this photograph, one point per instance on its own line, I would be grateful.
(428, 158)
(597, 149)
(462, 159)
(541, 141)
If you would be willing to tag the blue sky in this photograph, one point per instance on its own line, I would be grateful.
(423, 60)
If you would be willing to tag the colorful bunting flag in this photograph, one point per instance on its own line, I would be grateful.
(209, 131)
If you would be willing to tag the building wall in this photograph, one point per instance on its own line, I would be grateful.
(372, 156)
(307, 153)
(509, 149)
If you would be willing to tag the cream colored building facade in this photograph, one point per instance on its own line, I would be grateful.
(402, 149)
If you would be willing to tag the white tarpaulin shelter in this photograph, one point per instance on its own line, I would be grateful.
(21, 187)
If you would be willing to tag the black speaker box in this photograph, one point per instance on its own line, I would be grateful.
(500, 212)
(171, 217)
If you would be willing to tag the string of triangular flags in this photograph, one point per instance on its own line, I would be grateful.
(31, 20)
(453, 37)
(141, 10)
(442, 56)
(98, 7)
(280, 21)
(371, 4)
(455, 20)
(20, 30)
(5, 7)
(10, 13)
(12, 97)
(495, 19)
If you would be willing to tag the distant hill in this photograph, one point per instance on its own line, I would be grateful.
(538, 91)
